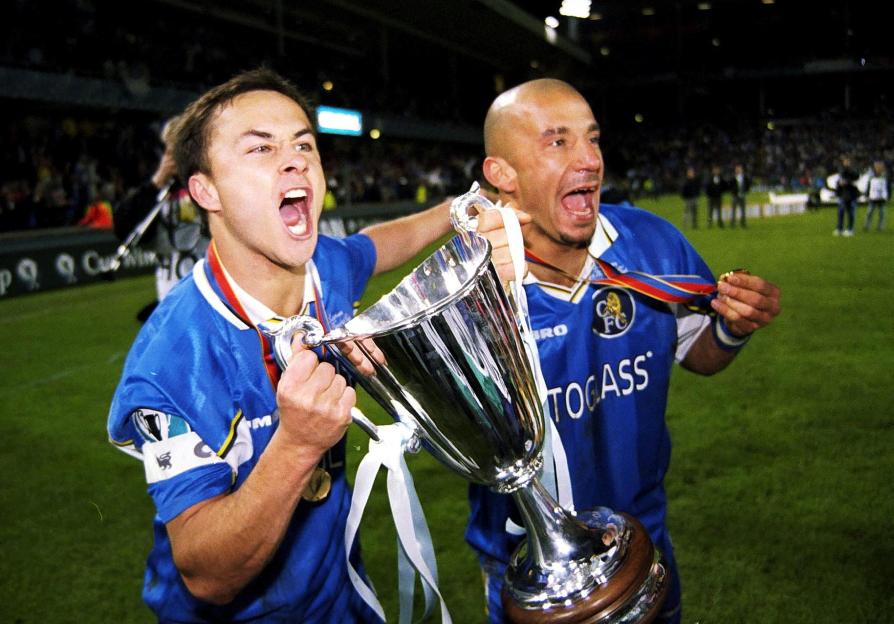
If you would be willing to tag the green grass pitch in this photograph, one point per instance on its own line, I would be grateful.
(781, 503)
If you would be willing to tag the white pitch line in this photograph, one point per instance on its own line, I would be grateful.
(62, 374)
(111, 294)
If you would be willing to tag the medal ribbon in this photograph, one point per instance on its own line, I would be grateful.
(691, 290)
(232, 302)
(319, 309)
(318, 487)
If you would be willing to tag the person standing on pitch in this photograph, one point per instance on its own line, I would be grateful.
(606, 352)
(714, 191)
(740, 185)
(246, 465)
(692, 189)
(177, 232)
(846, 189)
(878, 195)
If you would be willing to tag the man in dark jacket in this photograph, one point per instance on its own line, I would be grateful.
(739, 185)
(847, 192)
(714, 190)
(175, 231)
(692, 189)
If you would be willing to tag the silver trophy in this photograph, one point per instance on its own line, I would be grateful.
(447, 359)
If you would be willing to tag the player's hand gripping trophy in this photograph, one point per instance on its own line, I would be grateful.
(449, 360)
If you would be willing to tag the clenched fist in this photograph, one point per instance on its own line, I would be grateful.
(314, 402)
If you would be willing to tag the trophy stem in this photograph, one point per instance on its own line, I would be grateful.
(596, 566)
(554, 534)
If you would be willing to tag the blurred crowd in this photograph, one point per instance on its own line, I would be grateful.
(61, 166)
(796, 156)
(395, 171)
(55, 167)
(58, 170)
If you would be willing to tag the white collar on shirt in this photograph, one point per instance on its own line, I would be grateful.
(603, 237)
(257, 311)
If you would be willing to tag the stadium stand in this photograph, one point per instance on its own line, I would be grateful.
(84, 94)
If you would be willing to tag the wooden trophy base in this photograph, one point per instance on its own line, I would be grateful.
(610, 598)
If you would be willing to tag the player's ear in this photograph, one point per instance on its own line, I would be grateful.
(500, 173)
(204, 192)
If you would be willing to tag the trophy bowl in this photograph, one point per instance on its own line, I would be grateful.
(447, 359)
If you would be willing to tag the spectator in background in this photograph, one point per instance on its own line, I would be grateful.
(714, 190)
(15, 206)
(691, 191)
(739, 185)
(99, 213)
(49, 199)
(816, 183)
(846, 189)
(614, 191)
(878, 195)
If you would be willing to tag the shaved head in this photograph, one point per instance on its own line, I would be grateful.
(543, 156)
(510, 105)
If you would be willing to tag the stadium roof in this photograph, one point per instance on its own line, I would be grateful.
(445, 60)
(640, 39)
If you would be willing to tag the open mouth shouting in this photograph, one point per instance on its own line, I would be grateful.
(295, 212)
(579, 203)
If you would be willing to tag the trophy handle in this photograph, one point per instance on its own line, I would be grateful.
(465, 222)
(312, 336)
(283, 334)
(460, 217)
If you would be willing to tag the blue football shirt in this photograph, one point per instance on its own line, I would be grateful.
(606, 355)
(197, 404)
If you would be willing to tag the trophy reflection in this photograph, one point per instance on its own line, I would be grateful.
(442, 353)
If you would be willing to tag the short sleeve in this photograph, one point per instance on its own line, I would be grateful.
(362, 254)
(181, 469)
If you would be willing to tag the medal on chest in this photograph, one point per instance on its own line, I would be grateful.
(319, 485)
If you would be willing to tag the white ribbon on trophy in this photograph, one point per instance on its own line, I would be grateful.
(415, 554)
(554, 474)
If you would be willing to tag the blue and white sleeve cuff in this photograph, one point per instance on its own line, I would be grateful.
(725, 339)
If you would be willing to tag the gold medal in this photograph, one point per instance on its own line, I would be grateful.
(725, 276)
(318, 487)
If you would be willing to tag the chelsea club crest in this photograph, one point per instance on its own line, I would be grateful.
(613, 312)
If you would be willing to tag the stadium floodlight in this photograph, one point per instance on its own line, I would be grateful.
(575, 8)
(331, 120)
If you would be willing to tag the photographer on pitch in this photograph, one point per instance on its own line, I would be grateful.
(176, 233)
